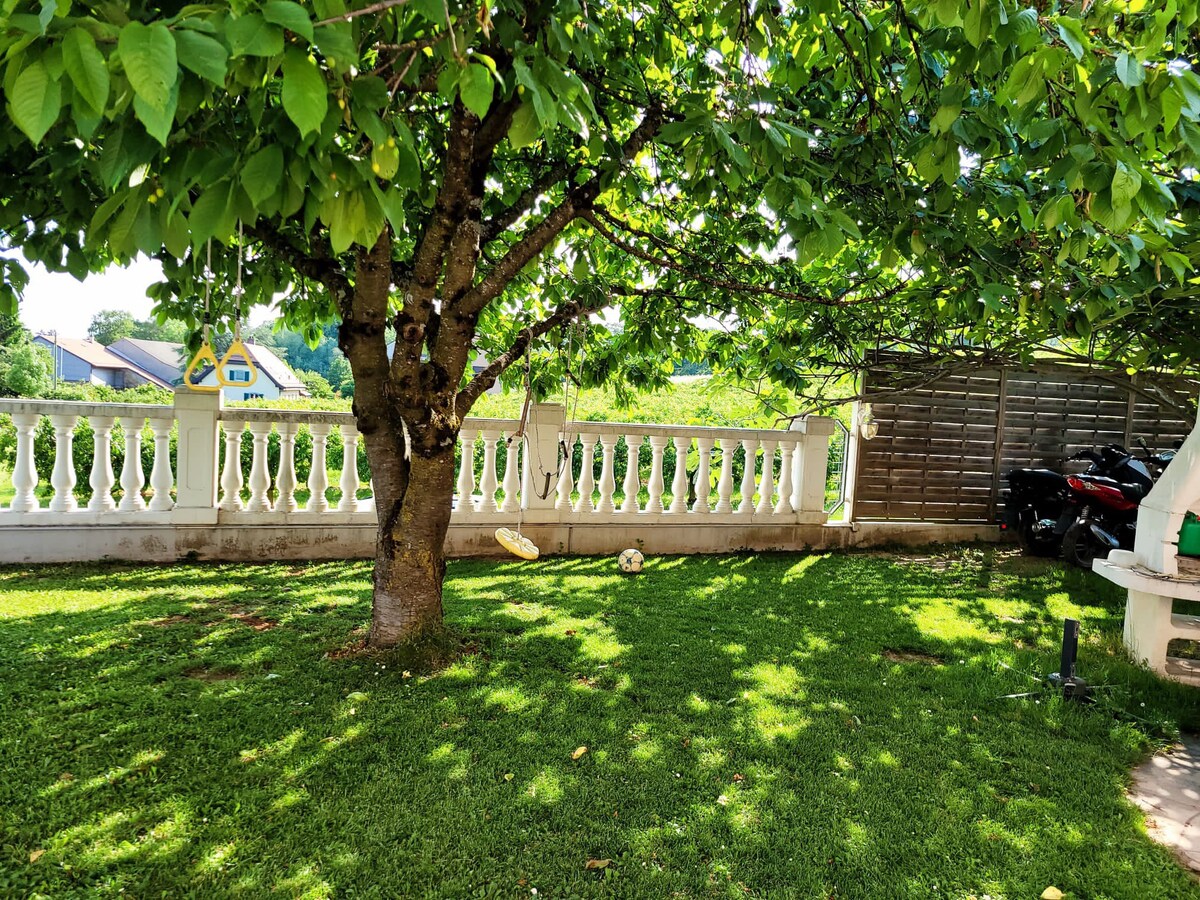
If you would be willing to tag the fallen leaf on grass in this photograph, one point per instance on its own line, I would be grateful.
(737, 777)
(35, 855)
(579, 751)
(1052, 893)
(723, 800)
(597, 864)
(508, 776)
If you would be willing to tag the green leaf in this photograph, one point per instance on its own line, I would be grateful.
(1072, 34)
(262, 173)
(336, 44)
(46, 15)
(35, 101)
(1129, 70)
(475, 87)
(1172, 106)
(158, 122)
(1126, 182)
(524, 129)
(252, 35)
(86, 68)
(207, 214)
(291, 16)
(977, 23)
(305, 94)
(205, 56)
(148, 54)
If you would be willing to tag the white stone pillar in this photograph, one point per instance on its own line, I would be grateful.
(656, 484)
(815, 470)
(102, 478)
(466, 475)
(566, 477)
(512, 477)
(349, 480)
(746, 506)
(541, 456)
(704, 447)
(787, 450)
(679, 484)
(25, 474)
(63, 476)
(197, 448)
(285, 478)
(318, 478)
(231, 472)
(632, 485)
(260, 475)
(725, 482)
(487, 478)
(766, 484)
(131, 469)
(587, 477)
(161, 477)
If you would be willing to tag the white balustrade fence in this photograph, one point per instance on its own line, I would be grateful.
(243, 467)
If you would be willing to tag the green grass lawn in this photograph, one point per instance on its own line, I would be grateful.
(756, 726)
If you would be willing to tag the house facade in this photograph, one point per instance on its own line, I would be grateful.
(275, 381)
(87, 362)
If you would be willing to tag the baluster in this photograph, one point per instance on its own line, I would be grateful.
(260, 476)
(784, 506)
(655, 485)
(512, 477)
(766, 485)
(102, 478)
(797, 473)
(231, 471)
(608, 482)
(466, 476)
(285, 477)
(318, 477)
(679, 484)
(587, 477)
(349, 481)
(704, 447)
(725, 482)
(25, 474)
(162, 479)
(746, 507)
(566, 476)
(487, 478)
(131, 471)
(63, 476)
(633, 479)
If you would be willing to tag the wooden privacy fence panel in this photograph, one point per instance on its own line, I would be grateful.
(943, 449)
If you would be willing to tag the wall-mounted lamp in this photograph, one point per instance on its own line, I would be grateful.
(867, 426)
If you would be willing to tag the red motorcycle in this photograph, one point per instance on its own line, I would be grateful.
(1107, 504)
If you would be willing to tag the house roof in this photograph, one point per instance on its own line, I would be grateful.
(164, 358)
(100, 357)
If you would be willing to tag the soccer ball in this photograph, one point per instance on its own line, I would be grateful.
(631, 561)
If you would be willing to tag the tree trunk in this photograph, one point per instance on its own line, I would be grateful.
(410, 561)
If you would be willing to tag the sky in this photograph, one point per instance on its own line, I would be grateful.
(57, 301)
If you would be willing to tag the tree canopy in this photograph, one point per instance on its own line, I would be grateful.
(762, 187)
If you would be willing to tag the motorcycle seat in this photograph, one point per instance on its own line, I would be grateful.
(1132, 492)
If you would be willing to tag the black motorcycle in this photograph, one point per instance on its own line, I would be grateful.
(1081, 516)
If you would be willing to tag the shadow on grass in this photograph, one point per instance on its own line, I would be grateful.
(793, 725)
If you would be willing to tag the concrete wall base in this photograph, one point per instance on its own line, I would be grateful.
(258, 543)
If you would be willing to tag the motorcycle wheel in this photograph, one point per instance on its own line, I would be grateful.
(1080, 546)
(1034, 544)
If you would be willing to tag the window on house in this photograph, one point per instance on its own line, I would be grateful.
(250, 395)
(238, 375)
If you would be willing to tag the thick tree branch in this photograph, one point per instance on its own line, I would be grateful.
(475, 388)
(739, 287)
(508, 217)
(537, 239)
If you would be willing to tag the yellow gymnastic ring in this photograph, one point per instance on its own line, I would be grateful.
(516, 543)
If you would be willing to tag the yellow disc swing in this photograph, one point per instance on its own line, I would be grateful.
(510, 539)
